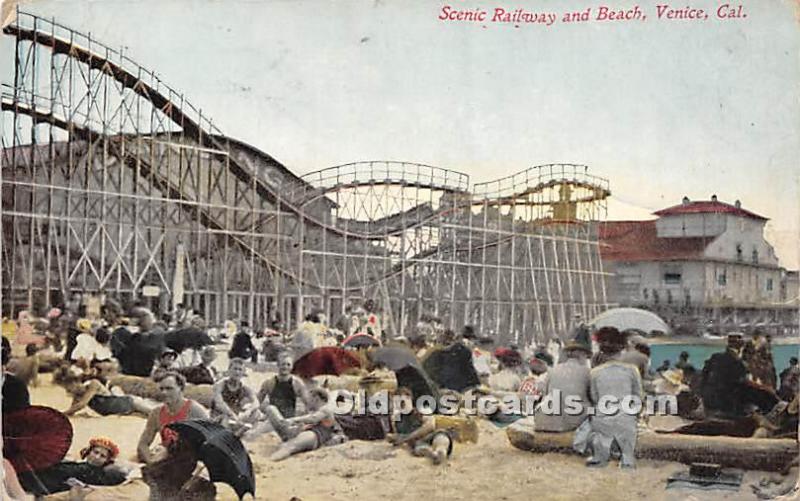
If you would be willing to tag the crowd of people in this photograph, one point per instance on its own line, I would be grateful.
(87, 357)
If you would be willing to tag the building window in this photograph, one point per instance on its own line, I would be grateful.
(738, 252)
(655, 297)
(669, 297)
(722, 279)
(644, 293)
(769, 284)
(755, 256)
(672, 278)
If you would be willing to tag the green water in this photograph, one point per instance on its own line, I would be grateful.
(699, 353)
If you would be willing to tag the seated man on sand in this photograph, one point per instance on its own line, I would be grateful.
(176, 408)
(419, 431)
(569, 379)
(234, 402)
(309, 431)
(283, 390)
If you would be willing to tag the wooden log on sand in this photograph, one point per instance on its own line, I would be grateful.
(344, 382)
(748, 453)
(203, 394)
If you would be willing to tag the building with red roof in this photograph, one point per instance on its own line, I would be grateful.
(697, 254)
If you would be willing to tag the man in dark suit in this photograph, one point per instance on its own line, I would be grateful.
(242, 346)
(724, 387)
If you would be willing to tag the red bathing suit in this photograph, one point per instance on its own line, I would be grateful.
(168, 436)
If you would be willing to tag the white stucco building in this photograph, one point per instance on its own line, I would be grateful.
(705, 260)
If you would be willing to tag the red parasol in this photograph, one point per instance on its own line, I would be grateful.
(35, 437)
(326, 360)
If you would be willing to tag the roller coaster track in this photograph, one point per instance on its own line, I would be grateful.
(203, 216)
(145, 169)
(192, 129)
(238, 163)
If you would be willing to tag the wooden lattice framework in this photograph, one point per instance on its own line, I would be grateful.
(112, 181)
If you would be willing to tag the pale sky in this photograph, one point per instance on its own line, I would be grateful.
(662, 109)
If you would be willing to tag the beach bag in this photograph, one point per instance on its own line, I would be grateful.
(462, 428)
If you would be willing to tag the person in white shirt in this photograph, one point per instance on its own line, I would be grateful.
(89, 348)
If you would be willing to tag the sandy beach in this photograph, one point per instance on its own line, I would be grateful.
(490, 469)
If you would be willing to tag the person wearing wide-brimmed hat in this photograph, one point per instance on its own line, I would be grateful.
(638, 354)
(512, 366)
(87, 348)
(167, 361)
(568, 379)
(616, 381)
(581, 331)
(610, 342)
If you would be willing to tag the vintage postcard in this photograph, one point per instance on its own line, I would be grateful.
(446, 249)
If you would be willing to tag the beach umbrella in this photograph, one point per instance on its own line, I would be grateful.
(452, 367)
(631, 319)
(140, 353)
(331, 360)
(360, 341)
(35, 437)
(187, 337)
(221, 452)
(393, 357)
(415, 379)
